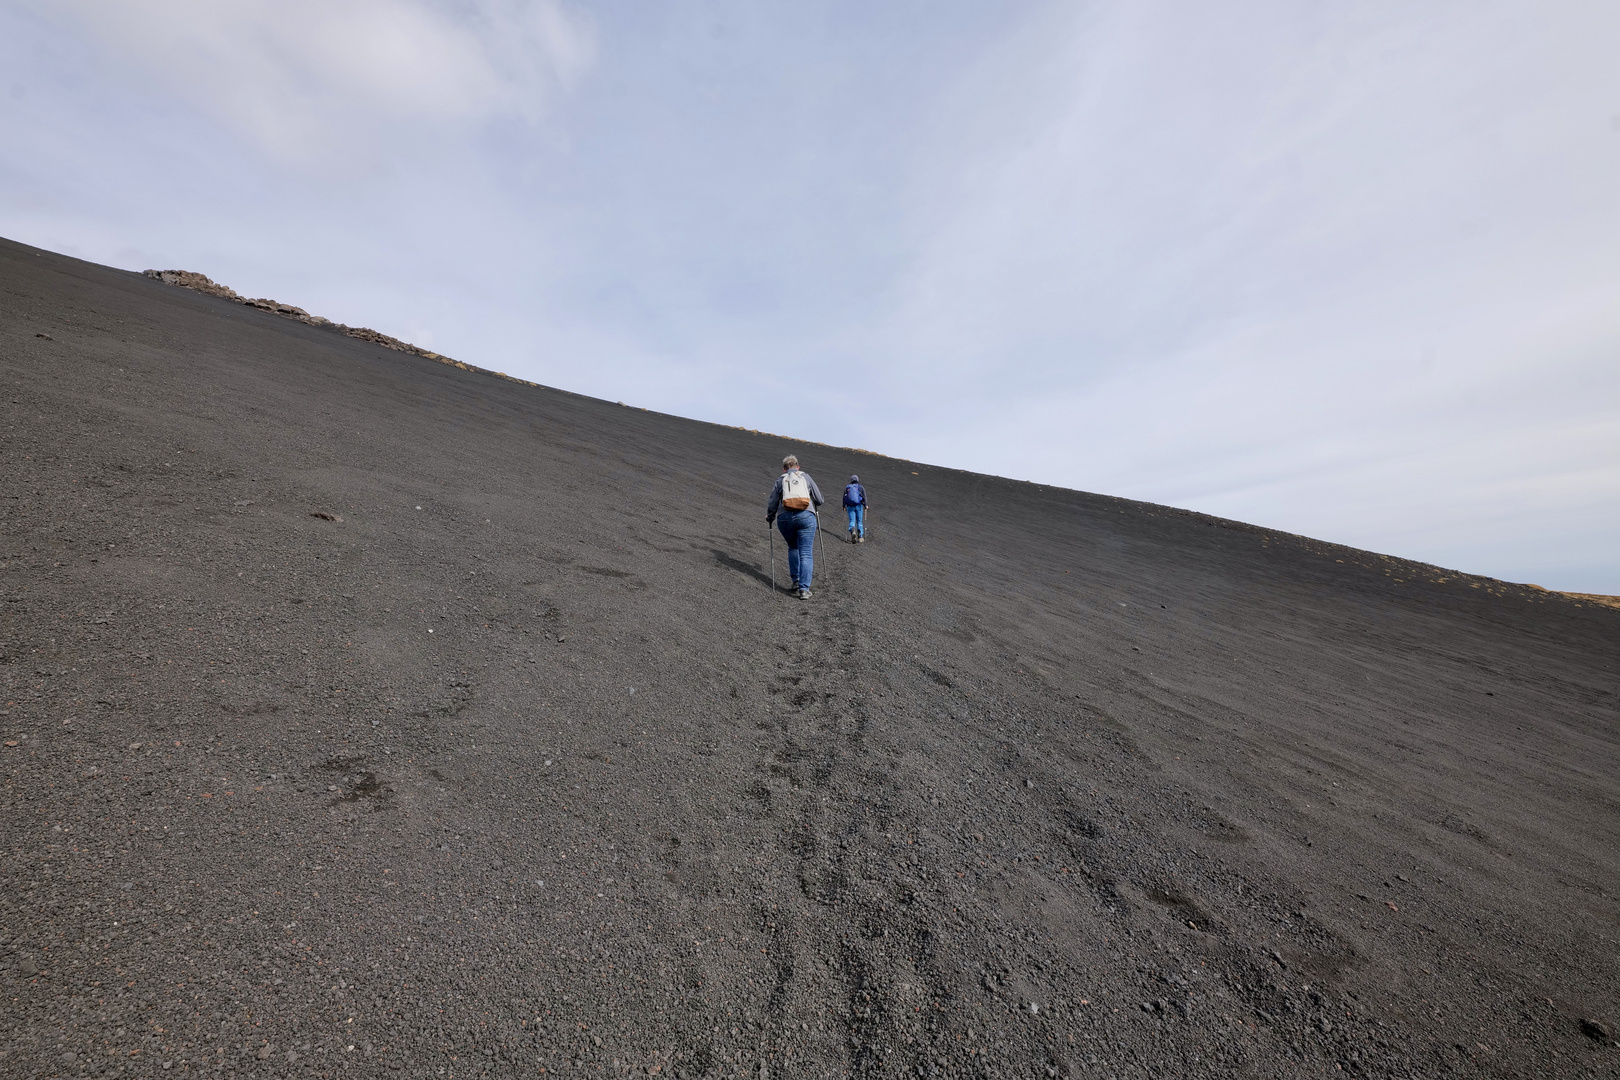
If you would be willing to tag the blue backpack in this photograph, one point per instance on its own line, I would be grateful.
(854, 495)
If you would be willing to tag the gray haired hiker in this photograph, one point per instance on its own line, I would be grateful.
(793, 508)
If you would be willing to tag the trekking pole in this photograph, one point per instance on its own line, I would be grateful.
(825, 575)
(772, 533)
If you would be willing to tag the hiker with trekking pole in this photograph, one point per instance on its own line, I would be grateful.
(855, 507)
(793, 509)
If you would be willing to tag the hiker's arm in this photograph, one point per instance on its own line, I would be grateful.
(775, 502)
(815, 492)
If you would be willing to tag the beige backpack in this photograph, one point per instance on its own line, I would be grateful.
(795, 490)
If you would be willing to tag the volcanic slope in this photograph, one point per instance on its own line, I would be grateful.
(366, 716)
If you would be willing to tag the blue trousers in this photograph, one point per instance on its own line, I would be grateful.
(857, 518)
(799, 530)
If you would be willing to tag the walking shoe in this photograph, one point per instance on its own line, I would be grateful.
(804, 594)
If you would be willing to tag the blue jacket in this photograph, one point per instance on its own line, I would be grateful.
(854, 495)
(774, 507)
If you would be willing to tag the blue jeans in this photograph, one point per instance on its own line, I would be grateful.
(857, 518)
(799, 530)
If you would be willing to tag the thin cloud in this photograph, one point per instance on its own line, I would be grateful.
(309, 81)
(1346, 273)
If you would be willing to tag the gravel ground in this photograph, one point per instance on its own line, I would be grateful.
(366, 716)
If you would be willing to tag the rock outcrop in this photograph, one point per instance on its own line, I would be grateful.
(188, 280)
(202, 283)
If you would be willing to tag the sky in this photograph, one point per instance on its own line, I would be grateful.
(1350, 270)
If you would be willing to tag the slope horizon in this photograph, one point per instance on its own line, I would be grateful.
(1344, 272)
(291, 310)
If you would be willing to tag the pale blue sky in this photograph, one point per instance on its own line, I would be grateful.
(1349, 270)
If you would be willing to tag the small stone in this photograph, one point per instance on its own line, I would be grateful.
(264, 1052)
(1033, 1008)
(1594, 1029)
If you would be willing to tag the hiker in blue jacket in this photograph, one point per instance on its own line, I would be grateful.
(793, 508)
(855, 507)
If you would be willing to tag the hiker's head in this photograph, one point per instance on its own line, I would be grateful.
(789, 462)
(854, 479)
